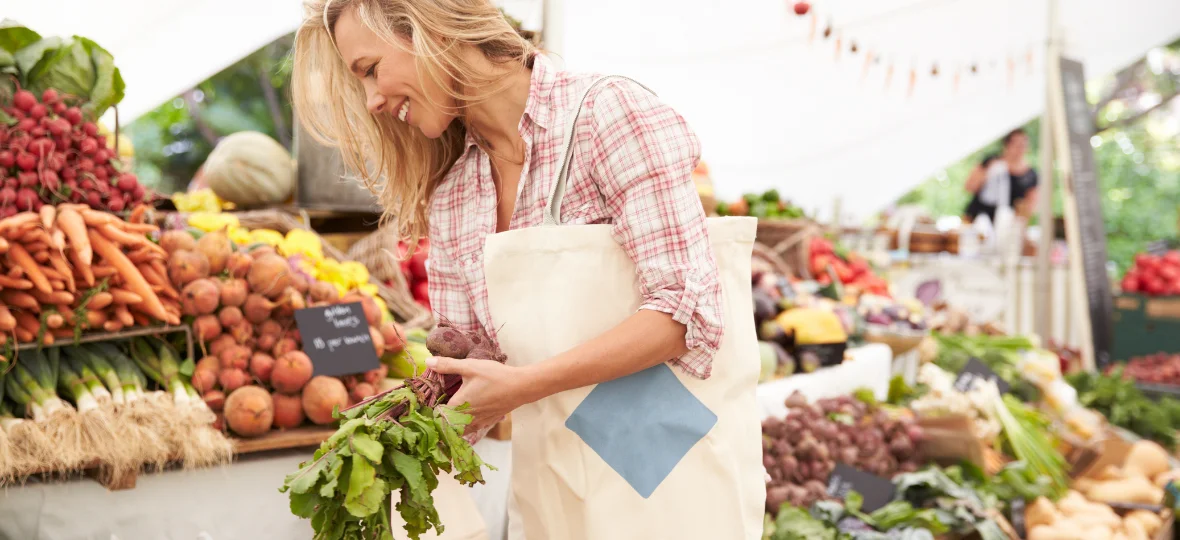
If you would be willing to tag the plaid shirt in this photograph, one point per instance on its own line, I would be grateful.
(632, 168)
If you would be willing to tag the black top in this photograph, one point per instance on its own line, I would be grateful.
(1021, 184)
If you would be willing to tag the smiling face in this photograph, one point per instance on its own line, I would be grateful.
(389, 74)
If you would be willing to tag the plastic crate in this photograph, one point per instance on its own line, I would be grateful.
(1145, 325)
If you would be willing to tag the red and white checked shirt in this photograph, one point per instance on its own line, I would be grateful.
(632, 167)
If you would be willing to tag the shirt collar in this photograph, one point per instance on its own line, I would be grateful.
(537, 108)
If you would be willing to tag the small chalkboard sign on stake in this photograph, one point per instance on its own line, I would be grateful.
(976, 369)
(337, 339)
(876, 491)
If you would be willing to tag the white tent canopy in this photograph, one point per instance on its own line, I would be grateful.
(772, 107)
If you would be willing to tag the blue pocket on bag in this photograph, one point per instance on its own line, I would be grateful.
(642, 425)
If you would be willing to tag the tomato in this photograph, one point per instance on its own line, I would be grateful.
(1154, 286)
(1170, 274)
(842, 271)
(820, 262)
(1172, 258)
(820, 245)
(1130, 283)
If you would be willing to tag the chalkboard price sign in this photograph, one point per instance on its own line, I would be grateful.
(975, 370)
(337, 339)
(876, 491)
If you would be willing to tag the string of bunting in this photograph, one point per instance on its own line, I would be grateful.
(834, 33)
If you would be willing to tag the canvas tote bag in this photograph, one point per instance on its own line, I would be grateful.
(654, 455)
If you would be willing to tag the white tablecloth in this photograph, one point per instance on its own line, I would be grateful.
(871, 367)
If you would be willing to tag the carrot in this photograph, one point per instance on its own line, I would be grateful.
(104, 271)
(67, 313)
(14, 283)
(161, 270)
(83, 270)
(139, 228)
(57, 284)
(35, 235)
(15, 272)
(100, 300)
(62, 333)
(112, 326)
(59, 264)
(3, 245)
(20, 299)
(72, 206)
(94, 218)
(57, 239)
(74, 227)
(48, 215)
(141, 255)
(58, 297)
(124, 316)
(28, 322)
(137, 214)
(95, 318)
(19, 257)
(24, 336)
(54, 320)
(51, 273)
(40, 255)
(134, 281)
(140, 319)
(7, 321)
(123, 296)
(17, 221)
(119, 236)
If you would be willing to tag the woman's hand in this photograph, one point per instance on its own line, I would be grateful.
(492, 389)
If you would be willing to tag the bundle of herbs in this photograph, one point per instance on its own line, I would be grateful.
(1126, 406)
(1001, 354)
(393, 443)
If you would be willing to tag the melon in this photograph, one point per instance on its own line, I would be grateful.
(250, 169)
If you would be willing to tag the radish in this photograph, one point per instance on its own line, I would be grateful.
(26, 124)
(41, 146)
(101, 174)
(7, 196)
(102, 156)
(127, 182)
(138, 192)
(7, 159)
(24, 100)
(50, 180)
(116, 205)
(49, 95)
(88, 128)
(26, 161)
(74, 116)
(55, 161)
(28, 179)
(38, 131)
(25, 198)
(93, 199)
(88, 146)
(38, 111)
(59, 108)
(58, 126)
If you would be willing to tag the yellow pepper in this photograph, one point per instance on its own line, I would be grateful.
(368, 288)
(239, 235)
(209, 221)
(269, 237)
(354, 273)
(299, 241)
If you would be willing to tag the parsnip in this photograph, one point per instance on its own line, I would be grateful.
(1151, 522)
(1135, 489)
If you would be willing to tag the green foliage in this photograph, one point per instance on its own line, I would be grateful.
(73, 66)
(172, 141)
(349, 486)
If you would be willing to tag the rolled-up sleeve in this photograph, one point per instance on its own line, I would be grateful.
(643, 161)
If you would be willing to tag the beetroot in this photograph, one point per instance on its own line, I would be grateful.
(448, 341)
(173, 241)
(200, 297)
(229, 316)
(232, 379)
(269, 276)
(234, 293)
(257, 308)
(238, 264)
(322, 395)
(291, 372)
(186, 266)
(288, 410)
(235, 356)
(261, 366)
(207, 327)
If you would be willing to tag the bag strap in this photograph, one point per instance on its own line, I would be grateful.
(553, 207)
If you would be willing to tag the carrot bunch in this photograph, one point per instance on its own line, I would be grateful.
(68, 268)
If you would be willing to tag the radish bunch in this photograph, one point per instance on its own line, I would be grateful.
(50, 153)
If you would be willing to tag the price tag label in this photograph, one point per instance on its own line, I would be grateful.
(976, 369)
(337, 339)
(877, 491)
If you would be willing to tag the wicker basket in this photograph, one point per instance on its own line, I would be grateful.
(769, 259)
(378, 252)
(791, 240)
(401, 304)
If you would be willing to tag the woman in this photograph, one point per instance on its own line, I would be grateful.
(472, 126)
(1006, 180)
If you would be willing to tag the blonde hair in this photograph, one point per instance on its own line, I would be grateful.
(393, 160)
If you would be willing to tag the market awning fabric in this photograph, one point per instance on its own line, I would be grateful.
(773, 106)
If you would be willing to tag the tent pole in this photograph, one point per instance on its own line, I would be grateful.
(1043, 295)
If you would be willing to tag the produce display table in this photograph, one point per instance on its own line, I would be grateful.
(225, 503)
(870, 367)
